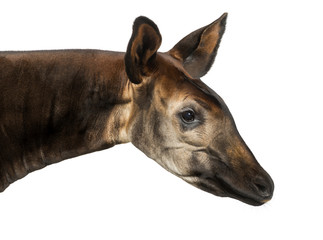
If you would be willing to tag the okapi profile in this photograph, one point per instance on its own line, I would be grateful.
(61, 104)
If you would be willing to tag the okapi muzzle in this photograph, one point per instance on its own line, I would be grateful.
(61, 104)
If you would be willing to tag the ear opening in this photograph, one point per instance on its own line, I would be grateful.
(197, 50)
(140, 58)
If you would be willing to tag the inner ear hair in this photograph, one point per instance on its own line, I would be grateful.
(142, 48)
(198, 49)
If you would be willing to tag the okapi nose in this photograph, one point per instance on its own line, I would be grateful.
(264, 186)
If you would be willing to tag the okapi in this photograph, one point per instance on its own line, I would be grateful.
(60, 104)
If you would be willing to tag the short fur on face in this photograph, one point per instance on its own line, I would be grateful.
(205, 150)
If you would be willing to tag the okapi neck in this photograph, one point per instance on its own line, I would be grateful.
(63, 104)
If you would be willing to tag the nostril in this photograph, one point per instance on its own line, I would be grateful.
(262, 190)
(262, 187)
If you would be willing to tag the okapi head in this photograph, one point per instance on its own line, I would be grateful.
(181, 123)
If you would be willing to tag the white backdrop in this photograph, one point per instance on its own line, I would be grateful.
(268, 70)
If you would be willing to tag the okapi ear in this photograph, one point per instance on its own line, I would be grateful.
(140, 58)
(197, 50)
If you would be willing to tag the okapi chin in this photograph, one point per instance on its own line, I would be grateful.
(56, 105)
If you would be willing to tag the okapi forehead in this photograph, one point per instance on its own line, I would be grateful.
(207, 93)
(175, 82)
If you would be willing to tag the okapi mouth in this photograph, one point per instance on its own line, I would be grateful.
(249, 198)
(217, 186)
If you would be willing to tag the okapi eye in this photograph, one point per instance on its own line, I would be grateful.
(188, 116)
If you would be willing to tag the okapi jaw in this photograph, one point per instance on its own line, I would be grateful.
(184, 125)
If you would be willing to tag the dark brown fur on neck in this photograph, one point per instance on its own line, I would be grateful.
(40, 122)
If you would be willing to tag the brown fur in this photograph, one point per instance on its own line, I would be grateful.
(61, 104)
